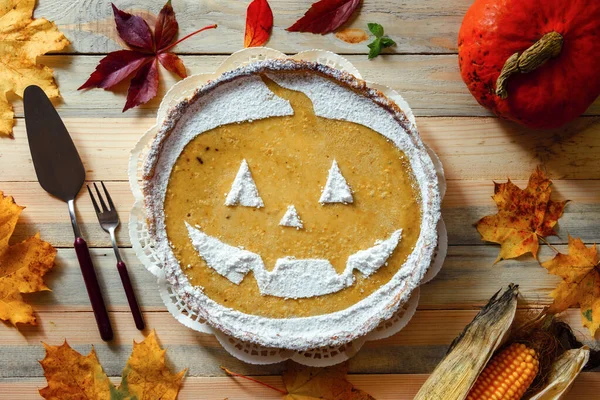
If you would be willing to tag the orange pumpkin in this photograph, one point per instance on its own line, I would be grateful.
(532, 61)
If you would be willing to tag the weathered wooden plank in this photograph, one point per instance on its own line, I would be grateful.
(578, 220)
(470, 148)
(431, 84)
(195, 388)
(382, 387)
(417, 27)
(57, 322)
(465, 203)
(467, 279)
(201, 353)
(416, 349)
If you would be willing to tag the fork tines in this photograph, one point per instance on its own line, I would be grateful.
(104, 208)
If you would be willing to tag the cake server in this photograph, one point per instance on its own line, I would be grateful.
(61, 173)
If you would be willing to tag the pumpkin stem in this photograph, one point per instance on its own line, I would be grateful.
(549, 46)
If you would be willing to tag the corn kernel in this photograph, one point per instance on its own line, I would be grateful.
(507, 376)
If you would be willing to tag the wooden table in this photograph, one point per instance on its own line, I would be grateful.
(474, 146)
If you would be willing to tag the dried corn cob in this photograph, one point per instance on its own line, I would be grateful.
(460, 375)
(564, 371)
(508, 375)
(470, 352)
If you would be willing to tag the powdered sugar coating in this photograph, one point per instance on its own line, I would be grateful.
(229, 261)
(336, 188)
(291, 278)
(302, 278)
(291, 218)
(370, 260)
(349, 99)
(243, 190)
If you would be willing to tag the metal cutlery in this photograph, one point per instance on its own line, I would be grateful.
(109, 221)
(61, 173)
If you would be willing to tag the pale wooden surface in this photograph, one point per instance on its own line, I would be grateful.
(397, 387)
(475, 148)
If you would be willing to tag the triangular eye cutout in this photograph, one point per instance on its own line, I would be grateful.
(291, 218)
(336, 189)
(243, 190)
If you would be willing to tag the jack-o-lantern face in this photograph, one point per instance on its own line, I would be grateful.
(291, 216)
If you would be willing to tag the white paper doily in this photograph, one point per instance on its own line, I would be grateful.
(144, 250)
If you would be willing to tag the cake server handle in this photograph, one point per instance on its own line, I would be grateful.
(93, 289)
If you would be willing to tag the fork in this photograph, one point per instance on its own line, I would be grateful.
(109, 221)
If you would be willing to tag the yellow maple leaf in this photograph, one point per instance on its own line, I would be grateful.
(73, 376)
(524, 216)
(9, 215)
(145, 377)
(22, 266)
(22, 40)
(580, 271)
(308, 383)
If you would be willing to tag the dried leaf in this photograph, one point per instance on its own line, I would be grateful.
(23, 40)
(22, 266)
(580, 271)
(142, 61)
(143, 86)
(145, 377)
(523, 216)
(325, 16)
(259, 22)
(9, 215)
(172, 63)
(166, 27)
(133, 30)
(73, 376)
(307, 383)
(116, 67)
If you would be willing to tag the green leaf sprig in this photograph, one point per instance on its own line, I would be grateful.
(380, 42)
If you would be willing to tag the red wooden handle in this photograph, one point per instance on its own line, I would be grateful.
(93, 289)
(133, 304)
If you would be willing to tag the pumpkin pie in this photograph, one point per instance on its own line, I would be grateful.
(293, 206)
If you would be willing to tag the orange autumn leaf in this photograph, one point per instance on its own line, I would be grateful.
(22, 40)
(9, 215)
(524, 216)
(307, 383)
(145, 377)
(73, 376)
(22, 266)
(259, 22)
(580, 271)
(311, 383)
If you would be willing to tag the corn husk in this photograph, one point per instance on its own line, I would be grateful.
(564, 371)
(470, 352)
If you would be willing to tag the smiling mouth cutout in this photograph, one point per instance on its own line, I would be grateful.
(291, 277)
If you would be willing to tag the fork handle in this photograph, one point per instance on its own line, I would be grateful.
(131, 299)
(93, 289)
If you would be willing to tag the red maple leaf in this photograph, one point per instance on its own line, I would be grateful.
(259, 22)
(325, 16)
(147, 50)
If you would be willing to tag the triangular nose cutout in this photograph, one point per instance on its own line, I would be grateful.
(336, 189)
(291, 218)
(243, 190)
